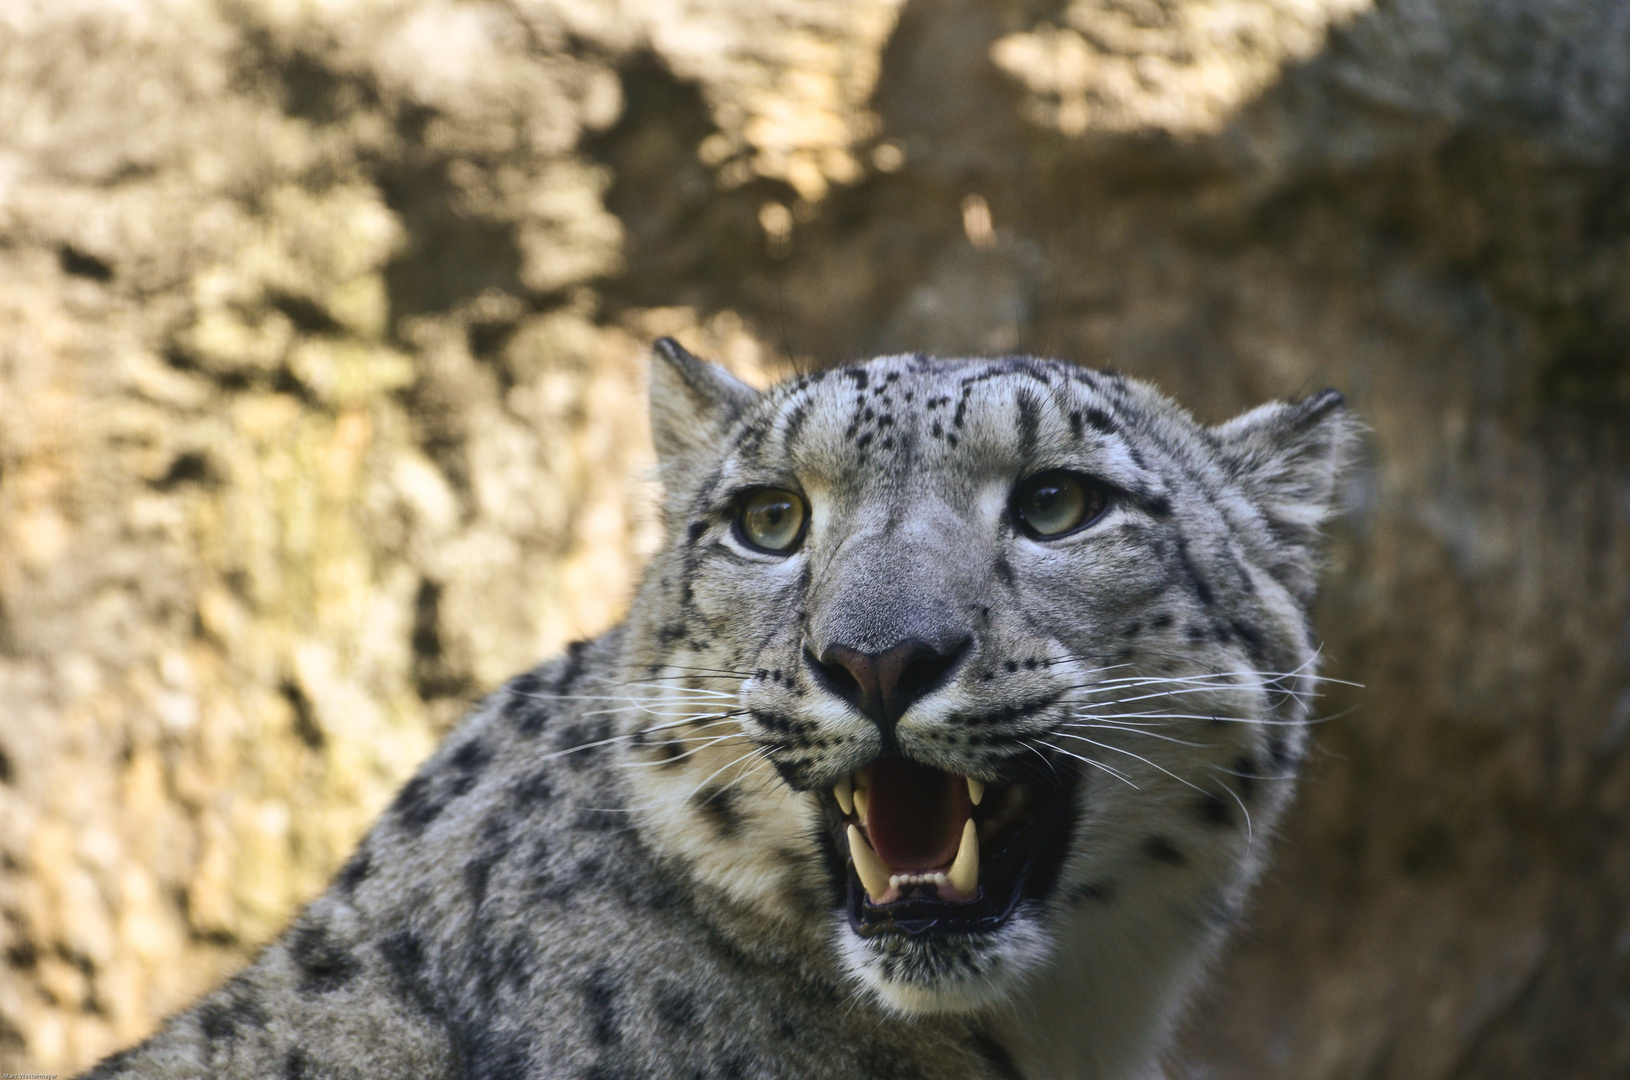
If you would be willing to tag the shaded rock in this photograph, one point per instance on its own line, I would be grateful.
(321, 368)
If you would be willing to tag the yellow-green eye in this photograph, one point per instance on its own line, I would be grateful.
(1053, 503)
(772, 520)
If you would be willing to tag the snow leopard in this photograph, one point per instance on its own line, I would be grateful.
(943, 739)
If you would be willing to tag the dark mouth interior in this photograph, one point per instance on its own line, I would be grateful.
(912, 819)
(915, 814)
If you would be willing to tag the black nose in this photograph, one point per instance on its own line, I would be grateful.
(884, 685)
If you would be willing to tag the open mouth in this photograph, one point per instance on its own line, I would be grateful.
(930, 851)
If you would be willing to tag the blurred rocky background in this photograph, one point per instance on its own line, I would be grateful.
(321, 362)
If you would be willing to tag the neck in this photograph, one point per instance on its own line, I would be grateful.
(1106, 1007)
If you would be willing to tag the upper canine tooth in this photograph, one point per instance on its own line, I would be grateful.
(844, 792)
(874, 876)
(976, 790)
(863, 777)
(964, 873)
(860, 802)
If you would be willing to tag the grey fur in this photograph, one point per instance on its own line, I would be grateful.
(581, 884)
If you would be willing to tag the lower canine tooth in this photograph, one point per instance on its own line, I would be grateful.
(976, 790)
(844, 792)
(874, 876)
(964, 875)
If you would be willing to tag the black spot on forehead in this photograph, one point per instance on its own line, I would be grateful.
(1101, 422)
(751, 435)
(1016, 365)
(1029, 424)
(795, 421)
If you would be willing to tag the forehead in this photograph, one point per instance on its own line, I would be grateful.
(912, 421)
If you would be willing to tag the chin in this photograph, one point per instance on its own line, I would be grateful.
(945, 972)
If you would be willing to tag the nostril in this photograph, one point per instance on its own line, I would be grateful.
(925, 672)
(884, 685)
(836, 679)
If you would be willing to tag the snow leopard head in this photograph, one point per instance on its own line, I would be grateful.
(976, 670)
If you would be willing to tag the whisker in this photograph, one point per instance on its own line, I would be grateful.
(711, 672)
(1178, 692)
(628, 698)
(1087, 761)
(1290, 775)
(1215, 717)
(647, 710)
(714, 741)
(623, 737)
(1144, 732)
(759, 750)
(1213, 678)
(690, 721)
(760, 760)
(1162, 768)
(668, 802)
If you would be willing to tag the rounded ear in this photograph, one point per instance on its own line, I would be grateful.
(1288, 456)
(693, 402)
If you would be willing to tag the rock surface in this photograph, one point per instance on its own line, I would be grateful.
(321, 338)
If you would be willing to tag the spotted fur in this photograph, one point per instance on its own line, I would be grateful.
(618, 867)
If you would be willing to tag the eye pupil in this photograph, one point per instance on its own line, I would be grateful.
(1056, 503)
(771, 520)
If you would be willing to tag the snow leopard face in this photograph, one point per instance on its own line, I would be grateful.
(975, 671)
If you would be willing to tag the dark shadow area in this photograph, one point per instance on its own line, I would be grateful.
(451, 255)
(82, 264)
(688, 241)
